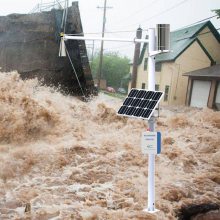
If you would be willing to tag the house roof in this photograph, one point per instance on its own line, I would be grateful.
(212, 71)
(180, 40)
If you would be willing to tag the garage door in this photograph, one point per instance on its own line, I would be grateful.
(217, 99)
(200, 93)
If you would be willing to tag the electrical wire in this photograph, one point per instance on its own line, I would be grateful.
(197, 22)
(199, 34)
(74, 70)
(136, 12)
(130, 31)
(158, 14)
(144, 29)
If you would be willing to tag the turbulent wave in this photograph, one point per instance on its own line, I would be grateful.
(23, 116)
(61, 158)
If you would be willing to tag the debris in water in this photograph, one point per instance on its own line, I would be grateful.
(27, 207)
(189, 211)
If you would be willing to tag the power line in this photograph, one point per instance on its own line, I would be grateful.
(136, 12)
(144, 29)
(163, 12)
(197, 22)
(199, 34)
(131, 31)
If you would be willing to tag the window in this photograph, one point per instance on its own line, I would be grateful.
(166, 94)
(158, 67)
(143, 86)
(157, 87)
(145, 63)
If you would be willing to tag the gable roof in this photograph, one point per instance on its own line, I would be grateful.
(212, 71)
(180, 40)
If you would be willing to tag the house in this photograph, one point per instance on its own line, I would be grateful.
(204, 87)
(192, 48)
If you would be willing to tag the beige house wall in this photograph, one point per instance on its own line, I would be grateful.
(193, 58)
(141, 75)
(210, 43)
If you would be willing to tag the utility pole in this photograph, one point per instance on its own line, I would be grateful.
(136, 59)
(41, 2)
(102, 42)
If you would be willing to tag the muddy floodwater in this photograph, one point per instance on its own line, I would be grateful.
(61, 158)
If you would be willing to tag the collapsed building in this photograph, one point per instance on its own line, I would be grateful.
(29, 43)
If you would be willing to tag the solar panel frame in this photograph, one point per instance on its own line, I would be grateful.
(140, 102)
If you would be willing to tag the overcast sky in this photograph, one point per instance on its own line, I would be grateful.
(127, 15)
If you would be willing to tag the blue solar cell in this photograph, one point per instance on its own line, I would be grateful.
(140, 103)
(149, 95)
(157, 96)
(138, 112)
(136, 102)
(122, 110)
(152, 104)
(146, 113)
(141, 94)
(128, 101)
(130, 110)
(144, 103)
(133, 93)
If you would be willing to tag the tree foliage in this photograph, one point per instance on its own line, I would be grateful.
(217, 11)
(114, 68)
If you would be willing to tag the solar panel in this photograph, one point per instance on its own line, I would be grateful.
(140, 103)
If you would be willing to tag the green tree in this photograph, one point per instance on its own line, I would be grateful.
(217, 11)
(114, 68)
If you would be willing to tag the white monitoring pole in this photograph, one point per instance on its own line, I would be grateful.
(163, 31)
(163, 45)
(151, 86)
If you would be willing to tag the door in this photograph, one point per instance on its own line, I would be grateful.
(200, 93)
(217, 98)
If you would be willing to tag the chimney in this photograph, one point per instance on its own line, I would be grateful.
(136, 59)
